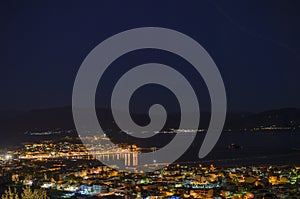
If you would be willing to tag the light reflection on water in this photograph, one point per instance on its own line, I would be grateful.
(254, 148)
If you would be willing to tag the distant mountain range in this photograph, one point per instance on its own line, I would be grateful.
(14, 124)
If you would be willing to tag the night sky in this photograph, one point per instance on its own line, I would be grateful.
(255, 45)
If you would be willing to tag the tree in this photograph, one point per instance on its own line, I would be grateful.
(8, 194)
(27, 193)
(35, 194)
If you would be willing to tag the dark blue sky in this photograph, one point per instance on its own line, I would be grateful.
(255, 45)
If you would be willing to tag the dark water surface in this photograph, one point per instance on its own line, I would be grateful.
(252, 148)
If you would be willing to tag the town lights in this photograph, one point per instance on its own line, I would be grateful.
(8, 157)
